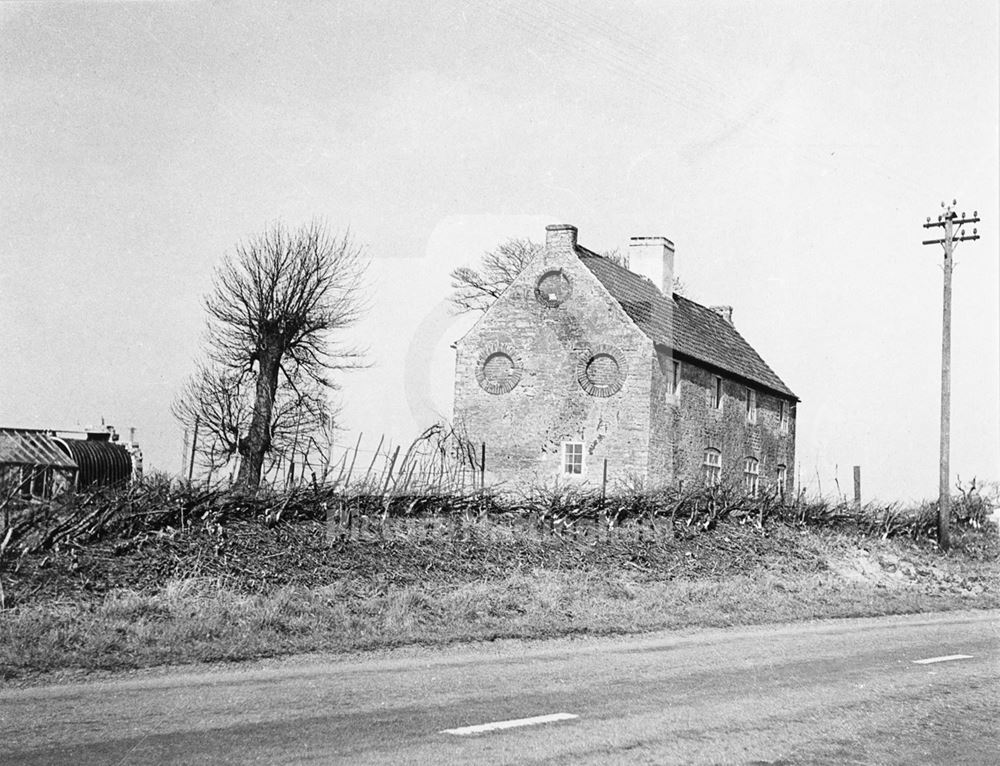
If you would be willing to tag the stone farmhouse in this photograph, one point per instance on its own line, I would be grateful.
(586, 371)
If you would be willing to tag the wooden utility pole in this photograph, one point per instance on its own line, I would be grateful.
(952, 224)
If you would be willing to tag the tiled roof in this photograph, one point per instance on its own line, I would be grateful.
(27, 447)
(698, 332)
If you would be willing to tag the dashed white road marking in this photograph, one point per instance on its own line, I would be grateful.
(946, 658)
(497, 725)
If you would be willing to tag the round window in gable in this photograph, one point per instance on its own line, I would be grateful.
(601, 371)
(553, 288)
(498, 370)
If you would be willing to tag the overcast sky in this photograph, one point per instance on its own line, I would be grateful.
(790, 150)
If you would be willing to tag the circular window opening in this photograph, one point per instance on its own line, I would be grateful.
(497, 367)
(601, 371)
(552, 288)
(497, 371)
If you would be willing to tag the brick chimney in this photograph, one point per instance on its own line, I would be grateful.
(726, 312)
(560, 236)
(653, 258)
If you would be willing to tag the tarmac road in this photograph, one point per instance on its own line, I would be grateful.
(836, 691)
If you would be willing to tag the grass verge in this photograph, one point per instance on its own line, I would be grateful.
(731, 577)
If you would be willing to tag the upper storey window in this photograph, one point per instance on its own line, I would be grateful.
(717, 393)
(783, 416)
(751, 405)
(674, 378)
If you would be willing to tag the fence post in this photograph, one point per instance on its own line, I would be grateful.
(482, 467)
(857, 486)
(194, 447)
(392, 463)
(604, 495)
(354, 457)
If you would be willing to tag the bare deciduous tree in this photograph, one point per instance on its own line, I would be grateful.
(277, 305)
(219, 403)
(477, 289)
(215, 402)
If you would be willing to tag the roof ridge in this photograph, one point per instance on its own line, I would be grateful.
(615, 264)
(714, 341)
(731, 328)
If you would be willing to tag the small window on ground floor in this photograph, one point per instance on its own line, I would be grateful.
(780, 480)
(751, 476)
(712, 466)
(572, 458)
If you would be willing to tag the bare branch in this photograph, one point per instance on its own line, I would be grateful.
(475, 290)
(278, 305)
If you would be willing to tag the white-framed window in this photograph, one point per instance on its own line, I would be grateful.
(717, 393)
(751, 476)
(674, 378)
(783, 416)
(751, 405)
(780, 480)
(712, 466)
(572, 458)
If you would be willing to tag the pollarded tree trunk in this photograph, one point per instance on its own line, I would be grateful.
(274, 305)
(258, 440)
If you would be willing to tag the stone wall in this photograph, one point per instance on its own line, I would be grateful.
(698, 426)
(522, 386)
(549, 343)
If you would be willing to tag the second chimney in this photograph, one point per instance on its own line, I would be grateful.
(560, 236)
(726, 312)
(653, 258)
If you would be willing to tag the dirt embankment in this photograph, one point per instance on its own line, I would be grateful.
(252, 589)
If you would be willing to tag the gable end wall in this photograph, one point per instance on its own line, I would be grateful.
(524, 429)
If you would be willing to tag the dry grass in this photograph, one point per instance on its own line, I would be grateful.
(163, 574)
(207, 619)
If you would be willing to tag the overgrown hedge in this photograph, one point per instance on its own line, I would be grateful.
(159, 505)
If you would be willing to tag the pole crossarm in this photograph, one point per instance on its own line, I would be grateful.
(954, 221)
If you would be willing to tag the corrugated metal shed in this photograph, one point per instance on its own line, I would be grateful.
(34, 448)
(99, 462)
